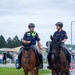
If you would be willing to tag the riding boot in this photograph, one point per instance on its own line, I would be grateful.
(41, 60)
(69, 58)
(67, 54)
(18, 63)
(49, 62)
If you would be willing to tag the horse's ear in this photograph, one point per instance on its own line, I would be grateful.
(51, 37)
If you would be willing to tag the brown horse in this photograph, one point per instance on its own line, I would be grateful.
(29, 62)
(58, 59)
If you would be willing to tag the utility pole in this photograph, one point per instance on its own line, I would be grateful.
(71, 33)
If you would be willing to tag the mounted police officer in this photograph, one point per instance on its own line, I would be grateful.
(62, 36)
(30, 37)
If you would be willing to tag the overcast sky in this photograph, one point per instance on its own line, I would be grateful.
(15, 15)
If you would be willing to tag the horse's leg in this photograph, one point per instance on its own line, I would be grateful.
(25, 72)
(36, 71)
(53, 72)
(32, 72)
(59, 73)
(62, 73)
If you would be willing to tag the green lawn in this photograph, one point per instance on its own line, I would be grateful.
(13, 71)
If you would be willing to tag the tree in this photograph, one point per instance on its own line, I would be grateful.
(2, 42)
(10, 43)
(16, 41)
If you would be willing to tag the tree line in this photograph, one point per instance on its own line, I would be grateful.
(9, 43)
(15, 42)
(69, 46)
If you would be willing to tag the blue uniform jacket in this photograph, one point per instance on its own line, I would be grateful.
(31, 36)
(60, 35)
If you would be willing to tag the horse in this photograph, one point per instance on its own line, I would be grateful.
(29, 62)
(58, 58)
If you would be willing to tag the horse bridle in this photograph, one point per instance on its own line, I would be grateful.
(27, 57)
(53, 51)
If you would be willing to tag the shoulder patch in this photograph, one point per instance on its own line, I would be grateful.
(65, 34)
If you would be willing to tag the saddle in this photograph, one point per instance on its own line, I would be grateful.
(26, 46)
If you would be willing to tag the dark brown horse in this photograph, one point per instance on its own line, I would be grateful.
(30, 62)
(58, 59)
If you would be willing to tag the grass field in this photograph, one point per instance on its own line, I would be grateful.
(13, 71)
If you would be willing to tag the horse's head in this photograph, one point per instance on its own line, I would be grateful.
(55, 45)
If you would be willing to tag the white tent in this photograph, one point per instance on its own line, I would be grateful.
(16, 49)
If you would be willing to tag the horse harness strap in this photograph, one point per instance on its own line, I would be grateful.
(28, 56)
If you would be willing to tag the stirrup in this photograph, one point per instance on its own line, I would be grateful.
(18, 66)
(49, 67)
(41, 66)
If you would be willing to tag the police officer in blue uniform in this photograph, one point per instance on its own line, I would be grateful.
(30, 38)
(62, 36)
